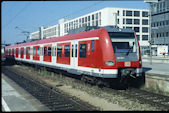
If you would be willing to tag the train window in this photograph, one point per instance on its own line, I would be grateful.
(83, 50)
(24, 51)
(18, 51)
(59, 51)
(45, 51)
(92, 45)
(38, 51)
(27, 51)
(67, 50)
(34, 51)
(49, 51)
(76, 50)
(72, 49)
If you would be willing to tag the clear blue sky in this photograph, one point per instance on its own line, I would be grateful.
(30, 15)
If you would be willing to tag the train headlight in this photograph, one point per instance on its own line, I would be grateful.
(109, 63)
(140, 62)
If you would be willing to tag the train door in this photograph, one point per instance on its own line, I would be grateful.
(47, 53)
(74, 54)
(54, 54)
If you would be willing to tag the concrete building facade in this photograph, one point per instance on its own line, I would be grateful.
(136, 19)
(160, 25)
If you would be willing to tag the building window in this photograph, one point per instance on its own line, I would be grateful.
(83, 50)
(85, 19)
(137, 21)
(128, 13)
(123, 12)
(59, 51)
(97, 22)
(80, 22)
(67, 50)
(136, 29)
(144, 37)
(117, 13)
(96, 16)
(137, 13)
(128, 21)
(88, 18)
(144, 14)
(167, 34)
(92, 17)
(145, 29)
(144, 22)
(124, 21)
(99, 18)
(129, 27)
(117, 21)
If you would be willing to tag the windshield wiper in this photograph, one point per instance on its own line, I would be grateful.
(129, 50)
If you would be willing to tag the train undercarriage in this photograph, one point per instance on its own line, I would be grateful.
(126, 77)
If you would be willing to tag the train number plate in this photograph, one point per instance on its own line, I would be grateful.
(127, 64)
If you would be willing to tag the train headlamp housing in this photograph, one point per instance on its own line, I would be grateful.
(140, 62)
(109, 63)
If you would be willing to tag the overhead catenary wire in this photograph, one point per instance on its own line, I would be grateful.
(12, 19)
(74, 12)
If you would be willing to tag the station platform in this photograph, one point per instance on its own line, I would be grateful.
(156, 68)
(156, 74)
(15, 98)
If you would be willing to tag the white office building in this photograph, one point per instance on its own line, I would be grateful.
(136, 19)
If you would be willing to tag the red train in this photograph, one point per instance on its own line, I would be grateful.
(104, 53)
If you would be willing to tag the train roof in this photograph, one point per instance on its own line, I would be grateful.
(83, 32)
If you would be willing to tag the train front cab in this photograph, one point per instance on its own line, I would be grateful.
(127, 56)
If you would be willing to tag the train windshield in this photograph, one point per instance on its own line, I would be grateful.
(124, 44)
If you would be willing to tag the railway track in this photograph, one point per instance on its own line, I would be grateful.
(157, 100)
(53, 99)
(161, 102)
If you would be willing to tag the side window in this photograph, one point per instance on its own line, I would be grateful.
(31, 51)
(38, 51)
(59, 51)
(83, 50)
(18, 51)
(67, 50)
(49, 51)
(76, 50)
(45, 51)
(72, 49)
(34, 51)
(93, 45)
(22, 51)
